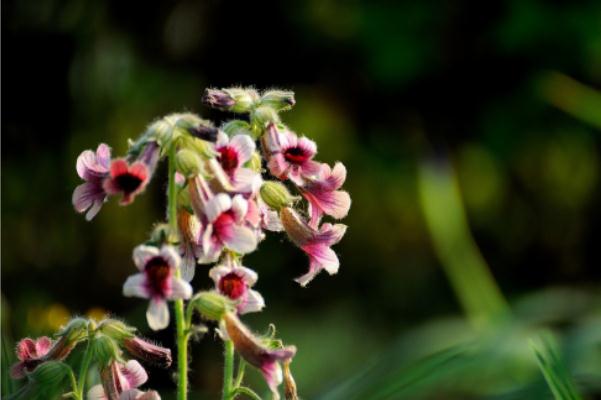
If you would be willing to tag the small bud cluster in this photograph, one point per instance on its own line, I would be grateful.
(233, 184)
(46, 363)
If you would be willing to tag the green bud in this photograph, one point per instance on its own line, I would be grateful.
(105, 349)
(188, 163)
(75, 330)
(276, 195)
(50, 373)
(161, 234)
(211, 305)
(236, 127)
(117, 330)
(279, 100)
(264, 115)
(244, 99)
(255, 162)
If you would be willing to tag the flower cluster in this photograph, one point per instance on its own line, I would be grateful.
(228, 187)
(43, 361)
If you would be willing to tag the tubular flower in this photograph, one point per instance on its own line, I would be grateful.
(314, 242)
(189, 228)
(125, 179)
(30, 353)
(223, 222)
(323, 195)
(235, 281)
(290, 157)
(157, 282)
(232, 154)
(93, 168)
(266, 359)
(146, 351)
(119, 382)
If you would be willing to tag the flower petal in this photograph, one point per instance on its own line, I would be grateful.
(254, 302)
(26, 349)
(135, 375)
(169, 254)
(244, 146)
(241, 240)
(248, 275)
(239, 207)
(217, 205)
(188, 265)
(157, 314)
(96, 392)
(103, 156)
(86, 194)
(135, 286)
(180, 289)
(142, 254)
(219, 271)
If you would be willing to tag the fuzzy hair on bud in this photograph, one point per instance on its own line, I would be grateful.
(188, 163)
(212, 305)
(279, 100)
(276, 195)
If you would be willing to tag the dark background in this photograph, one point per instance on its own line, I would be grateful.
(380, 86)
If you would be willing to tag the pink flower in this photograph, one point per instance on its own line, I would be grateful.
(222, 222)
(120, 382)
(314, 242)
(232, 154)
(30, 353)
(125, 179)
(290, 157)
(323, 195)
(266, 359)
(156, 281)
(92, 168)
(235, 281)
(190, 228)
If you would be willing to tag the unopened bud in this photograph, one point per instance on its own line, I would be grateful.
(75, 330)
(188, 163)
(236, 127)
(212, 305)
(146, 351)
(279, 100)
(255, 162)
(236, 100)
(263, 115)
(161, 234)
(106, 350)
(50, 373)
(276, 195)
(204, 132)
(116, 329)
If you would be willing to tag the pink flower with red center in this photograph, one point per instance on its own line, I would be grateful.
(232, 154)
(93, 168)
(323, 195)
(257, 354)
(222, 222)
(127, 180)
(157, 282)
(30, 353)
(235, 281)
(314, 242)
(290, 157)
(120, 382)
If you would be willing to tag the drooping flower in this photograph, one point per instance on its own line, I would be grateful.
(157, 282)
(30, 353)
(323, 195)
(257, 354)
(235, 281)
(93, 168)
(127, 180)
(232, 154)
(314, 242)
(120, 382)
(148, 352)
(222, 220)
(290, 157)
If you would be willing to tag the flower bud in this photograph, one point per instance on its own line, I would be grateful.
(50, 373)
(188, 163)
(75, 329)
(236, 127)
(161, 234)
(236, 100)
(212, 305)
(105, 349)
(117, 330)
(204, 132)
(262, 116)
(146, 351)
(276, 195)
(255, 162)
(279, 100)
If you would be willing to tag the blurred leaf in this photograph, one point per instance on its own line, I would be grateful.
(553, 369)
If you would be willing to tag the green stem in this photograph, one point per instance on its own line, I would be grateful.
(240, 373)
(83, 370)
(247, 392)
(228, 370)
(180, 322)
(74, 388)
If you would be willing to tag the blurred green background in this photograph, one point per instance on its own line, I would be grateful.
(470, 131)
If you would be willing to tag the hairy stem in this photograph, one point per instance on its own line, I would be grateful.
(180, 321)
(228, 370)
